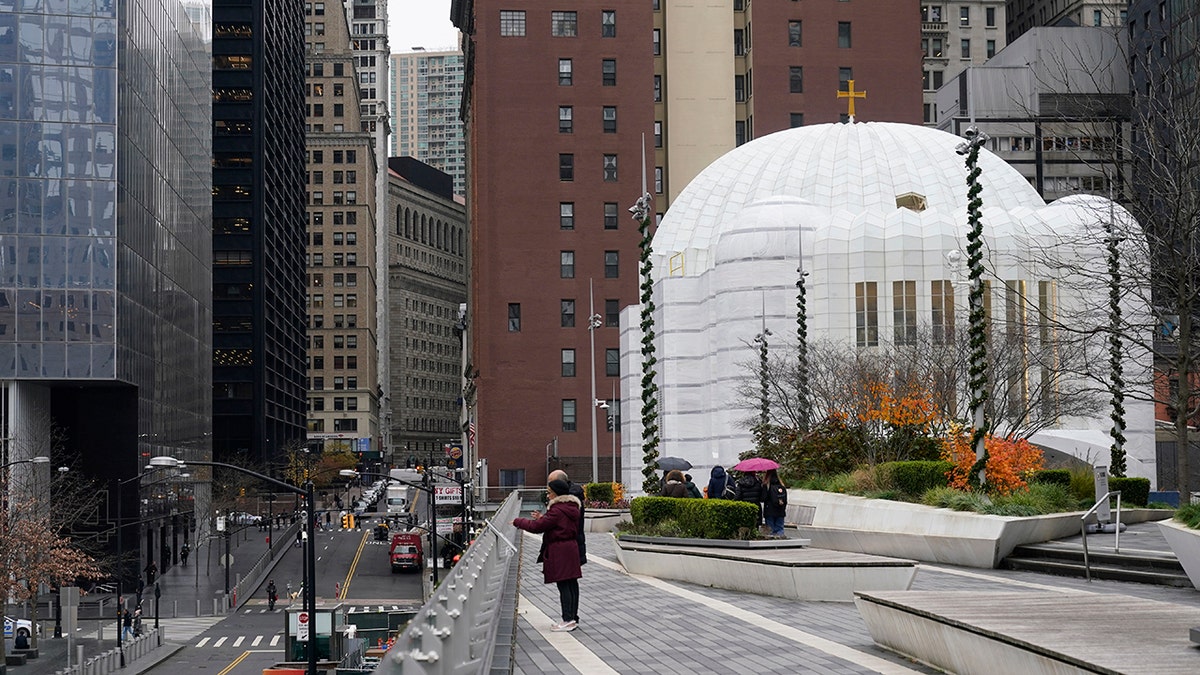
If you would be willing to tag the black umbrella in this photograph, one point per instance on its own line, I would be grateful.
(673, 464)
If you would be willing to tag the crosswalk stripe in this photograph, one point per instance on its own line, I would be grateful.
(201, 642)
(238, 642)
(257, 639)
(275, 640)
(220, 641)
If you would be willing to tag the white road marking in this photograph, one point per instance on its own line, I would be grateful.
(201, 642)
(238, 642)
(275, 640)
(220, 641)
(257, 639)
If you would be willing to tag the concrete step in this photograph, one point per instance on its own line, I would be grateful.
(1067, 568)
(1149, 560)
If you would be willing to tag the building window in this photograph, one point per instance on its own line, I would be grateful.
(564, 72)
(989, 17)
(512, 23)
(943, 311)
(612, 264)
(844, 35)
(794, 34)
(514, 317)
(566, 264)
(656, 37)
(565, 113)
(991, 48)
(566, 167)
(563, 24)
(658, 134)
(904, 312)
(739, 45)
(567, 313)
(610, 168)
(866, 314)
(612, 313)
(609, 117)
(797, 120)
(566, 215)
(608, 23)
(964, 16)
(965, 48)
(658, 88)
(610, 215)
(658, 180)
(844, 77)
(1097, 17)
(608, 72)
(935, 48)
(612, 362)
(931, 13)
(796, 79)
(739, 88)
(739, 133)
(568, 414)
(568, 363)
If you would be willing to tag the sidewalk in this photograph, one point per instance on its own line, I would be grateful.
(639, 624)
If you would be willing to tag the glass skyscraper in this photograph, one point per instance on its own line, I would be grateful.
(105, 241)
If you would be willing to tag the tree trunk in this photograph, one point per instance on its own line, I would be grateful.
(1183, 407)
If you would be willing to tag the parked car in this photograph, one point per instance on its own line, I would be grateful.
(21, 626)
(244, 518)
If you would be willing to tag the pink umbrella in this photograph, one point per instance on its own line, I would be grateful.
(756, 464)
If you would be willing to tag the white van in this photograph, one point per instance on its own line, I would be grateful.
(397, 499)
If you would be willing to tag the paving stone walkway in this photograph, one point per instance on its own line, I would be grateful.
(642, 625)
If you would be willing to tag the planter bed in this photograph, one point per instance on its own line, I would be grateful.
(1185, 543)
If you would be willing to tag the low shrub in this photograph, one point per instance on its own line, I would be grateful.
(1189, 515)
(838, 482)
(915, 478)
(949, 498)
(1135, 491)
(701, 518)
(1039, 499)
(599, 492)
(1083, 485)
(1052, 476)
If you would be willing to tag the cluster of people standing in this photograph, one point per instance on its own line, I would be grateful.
(765, 490)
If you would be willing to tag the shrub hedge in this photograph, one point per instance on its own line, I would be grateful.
(599, 492)
(1135, 491)
(1052, 477)
(915, 477)
(701, 518)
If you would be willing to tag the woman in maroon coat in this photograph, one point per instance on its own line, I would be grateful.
(559, 527)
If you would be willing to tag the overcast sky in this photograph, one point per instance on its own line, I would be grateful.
(420, 23)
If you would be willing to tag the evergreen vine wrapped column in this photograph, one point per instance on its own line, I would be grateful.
(641, 213)
(977, 330)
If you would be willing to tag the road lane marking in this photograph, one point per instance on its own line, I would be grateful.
(353, 565)
(220, 641)
(201, 643)
(257, 639)
(238, 642)
(275, 640)
(233, 665)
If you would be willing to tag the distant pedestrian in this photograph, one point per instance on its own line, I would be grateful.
(750, 489)
(328, 519)
(674, 486)
(184, 551)
(151, 571)
(559, 528)
(272, 595)
(774, 503)
(127, 622)
(720, 484)
(692, 490)
(299, 537)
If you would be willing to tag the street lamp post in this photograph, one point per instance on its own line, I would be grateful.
(310, 553)
(594, 322)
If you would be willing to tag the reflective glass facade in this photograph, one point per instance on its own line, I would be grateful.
(105, 205)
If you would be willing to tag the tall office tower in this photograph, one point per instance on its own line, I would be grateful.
(368, 21)
(426, 98)
(954, 37)
(1026, 14)
(343, 390)
(258, 229)
(105, 251)
(557, 102)
(427, 252)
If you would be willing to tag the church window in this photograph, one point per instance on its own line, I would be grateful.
(1017, 377)
(904, 312)
(942, 315)
(512, 23)
(866, 313)
(567, 313)
(568, 414)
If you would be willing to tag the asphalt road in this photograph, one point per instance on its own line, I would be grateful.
(253, 639)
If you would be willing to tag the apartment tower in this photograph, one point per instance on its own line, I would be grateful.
(426, 96)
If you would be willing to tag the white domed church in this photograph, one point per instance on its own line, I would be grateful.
(876, 215)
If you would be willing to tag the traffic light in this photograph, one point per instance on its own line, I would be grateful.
(610, 422)
(347, 521)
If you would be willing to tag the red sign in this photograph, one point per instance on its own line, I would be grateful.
(302, 628)
(303, 617)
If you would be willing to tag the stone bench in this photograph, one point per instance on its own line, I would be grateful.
(14, 659)
(27, 653)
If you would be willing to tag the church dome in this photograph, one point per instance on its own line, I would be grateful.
(862, 167)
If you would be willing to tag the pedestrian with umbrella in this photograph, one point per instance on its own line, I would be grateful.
(749, 487)
(669, 464)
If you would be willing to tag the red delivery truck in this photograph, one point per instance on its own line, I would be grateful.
(405, 552)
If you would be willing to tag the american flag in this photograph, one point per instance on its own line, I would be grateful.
(471, 435)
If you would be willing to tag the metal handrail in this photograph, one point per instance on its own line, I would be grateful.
(1087, 568)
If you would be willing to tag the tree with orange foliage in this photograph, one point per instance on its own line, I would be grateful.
(1011, 462)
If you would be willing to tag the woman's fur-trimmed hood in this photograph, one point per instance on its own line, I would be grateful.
(565, 498)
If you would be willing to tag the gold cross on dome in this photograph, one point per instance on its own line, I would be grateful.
(851, 94)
